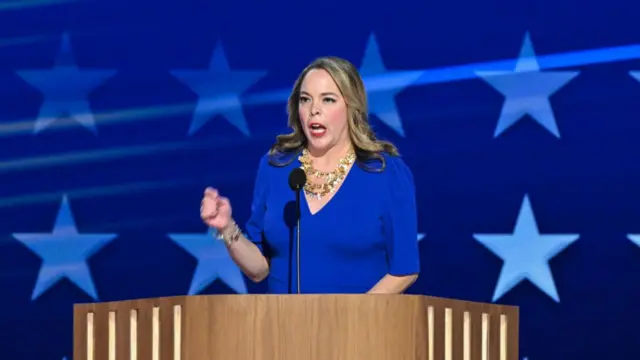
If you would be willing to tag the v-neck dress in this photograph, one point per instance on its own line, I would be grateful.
(367, 230)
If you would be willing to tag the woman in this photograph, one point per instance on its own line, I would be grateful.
(358, 223)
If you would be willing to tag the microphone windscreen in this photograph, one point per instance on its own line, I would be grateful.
(297, 179)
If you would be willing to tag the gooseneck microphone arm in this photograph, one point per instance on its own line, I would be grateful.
(297, 179)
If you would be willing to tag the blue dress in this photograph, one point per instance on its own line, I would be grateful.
(367, 230)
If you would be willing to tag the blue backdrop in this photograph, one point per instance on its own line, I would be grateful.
(518, 118)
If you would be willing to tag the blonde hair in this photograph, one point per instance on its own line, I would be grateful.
(351, 86)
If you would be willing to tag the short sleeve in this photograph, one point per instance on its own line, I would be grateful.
(401, 219)
(255, 225)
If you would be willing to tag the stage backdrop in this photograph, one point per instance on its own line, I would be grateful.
(518, 118)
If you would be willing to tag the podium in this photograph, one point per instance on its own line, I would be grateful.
(295, 327)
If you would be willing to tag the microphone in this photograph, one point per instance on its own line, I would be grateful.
(297, 179)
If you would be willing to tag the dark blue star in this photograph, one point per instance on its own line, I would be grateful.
(65, 89)
(527, 90)
(64, 253)
(383, 86)
(219, 91)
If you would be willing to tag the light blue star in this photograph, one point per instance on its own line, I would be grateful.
(214, 262)
(219, 91)
(382, 102)
(421, 236)
(635, 74)
(526, 253)
(65, 89)
(64, 253)
(527, 90)
(635, 238)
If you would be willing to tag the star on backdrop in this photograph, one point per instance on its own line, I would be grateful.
(635, 238)
(219, 90)
(64, 253)
(382, 102)
(214, 262)
(66, 89)
(635, 74)
(526, 253)
(421, 236)
(527, 90)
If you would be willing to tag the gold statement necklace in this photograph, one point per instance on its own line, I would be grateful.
(331, 179)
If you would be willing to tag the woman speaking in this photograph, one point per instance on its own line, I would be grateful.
(358, 221)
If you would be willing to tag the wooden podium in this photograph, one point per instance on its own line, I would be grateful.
(295, 327)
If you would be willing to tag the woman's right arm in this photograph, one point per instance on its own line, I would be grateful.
(246, 254)
(246, 251)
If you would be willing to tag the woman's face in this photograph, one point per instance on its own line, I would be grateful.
(322, 111)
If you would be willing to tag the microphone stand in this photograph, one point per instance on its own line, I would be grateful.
(298, 239)
(297, 180)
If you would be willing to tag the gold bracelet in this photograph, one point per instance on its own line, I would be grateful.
(233, 237)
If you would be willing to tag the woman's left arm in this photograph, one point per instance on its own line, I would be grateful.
(391, 284)
(400, 230)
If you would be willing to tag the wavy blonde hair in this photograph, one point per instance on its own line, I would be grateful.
(351, 86)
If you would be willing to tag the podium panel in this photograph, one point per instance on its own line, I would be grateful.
(295, 327)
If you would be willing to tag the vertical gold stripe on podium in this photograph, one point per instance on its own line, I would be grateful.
(430, 315)
(466, 336)
(177, 332)
(155, 333)
(90, 336)
(485, 336)
(503, 337)
(133, 335)
(112, 335)
(448, 333)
